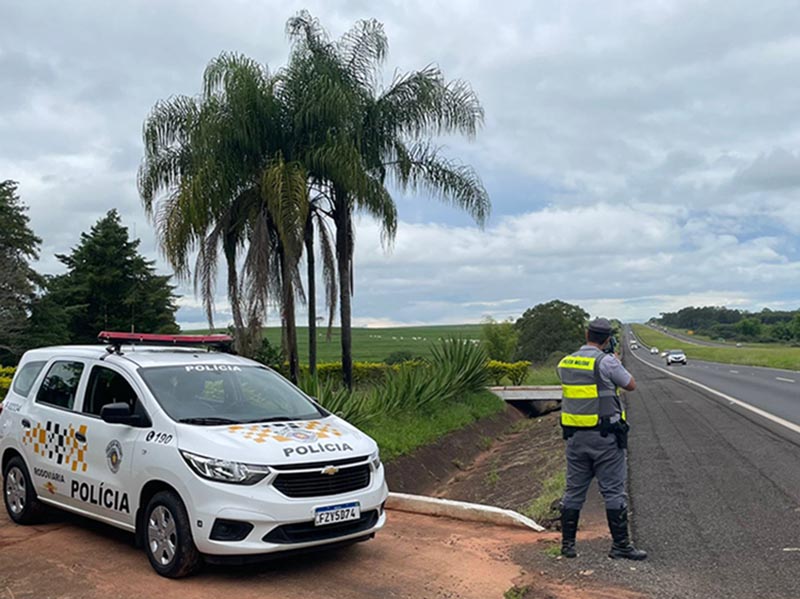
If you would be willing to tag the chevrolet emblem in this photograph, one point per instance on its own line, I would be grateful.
(330, 470)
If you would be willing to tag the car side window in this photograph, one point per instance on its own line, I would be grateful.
(60, 386)
(105, 387)
(26, 377)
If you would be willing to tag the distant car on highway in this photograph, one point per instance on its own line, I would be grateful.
(676, 356)
(653, 350)
(664, 354)
(634, 345)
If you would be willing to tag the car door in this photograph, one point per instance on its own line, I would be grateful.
(54, 442)
(106, 488)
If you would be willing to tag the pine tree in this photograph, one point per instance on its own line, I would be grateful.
(18, 281)
(110, 286)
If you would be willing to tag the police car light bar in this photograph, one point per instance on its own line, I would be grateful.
(222, 342)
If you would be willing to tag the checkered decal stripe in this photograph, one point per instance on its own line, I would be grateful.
(283, 432)
(58, 444)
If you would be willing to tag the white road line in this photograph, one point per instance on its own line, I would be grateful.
(780, 378)
(764, 414)
(734, 371)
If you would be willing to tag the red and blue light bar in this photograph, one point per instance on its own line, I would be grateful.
(117, 339)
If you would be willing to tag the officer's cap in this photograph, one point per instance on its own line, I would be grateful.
(600, 325)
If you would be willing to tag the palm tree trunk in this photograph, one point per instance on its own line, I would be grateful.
(243, 344)
(290, 325)
(312, 297)
(342, 220)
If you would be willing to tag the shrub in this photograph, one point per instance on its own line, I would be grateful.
(457, 368)
(5, 383)
(515, 372)
(6, 374)
(269, 355)
(398, 357)
(354, 407)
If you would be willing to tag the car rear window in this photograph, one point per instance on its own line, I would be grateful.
(26, 376)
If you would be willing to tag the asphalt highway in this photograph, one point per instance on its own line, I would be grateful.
(715, 489)
(770, 389)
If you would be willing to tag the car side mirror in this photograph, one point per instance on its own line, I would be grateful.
(120, 413)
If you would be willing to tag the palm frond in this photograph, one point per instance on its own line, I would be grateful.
(422, 168)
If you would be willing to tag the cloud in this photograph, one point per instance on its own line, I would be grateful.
(640, 155)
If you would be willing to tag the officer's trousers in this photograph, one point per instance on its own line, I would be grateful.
(589, 454)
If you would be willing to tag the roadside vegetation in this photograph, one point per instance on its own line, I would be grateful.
(722, 324)
(417, 402)
(772, 357)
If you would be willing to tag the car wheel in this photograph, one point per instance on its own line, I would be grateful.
(22, 505)
(168, 537)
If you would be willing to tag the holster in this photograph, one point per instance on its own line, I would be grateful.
(621, 429)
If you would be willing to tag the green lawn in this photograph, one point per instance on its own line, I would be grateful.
(542, 375)
(770, 356)
(373, 344)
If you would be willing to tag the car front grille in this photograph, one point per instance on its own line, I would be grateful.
(316, 484)
(306, 532)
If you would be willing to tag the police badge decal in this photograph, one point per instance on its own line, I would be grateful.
(114, 456)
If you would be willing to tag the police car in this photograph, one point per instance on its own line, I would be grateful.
(204, 455)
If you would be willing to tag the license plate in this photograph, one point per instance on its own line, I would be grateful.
(337, 513)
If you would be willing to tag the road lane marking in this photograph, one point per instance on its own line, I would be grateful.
(764, 414)
(734, 371)
(780, 378)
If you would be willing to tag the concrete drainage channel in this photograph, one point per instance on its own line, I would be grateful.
(531, 401)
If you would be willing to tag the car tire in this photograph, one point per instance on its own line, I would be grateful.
(168, 538)
(22, 504)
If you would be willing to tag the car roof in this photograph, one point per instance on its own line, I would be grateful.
(143, 356)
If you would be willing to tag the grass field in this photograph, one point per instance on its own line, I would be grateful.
(373, 344)
(769, 356)
(376, 344)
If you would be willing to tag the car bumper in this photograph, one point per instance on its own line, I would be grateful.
(271, 513)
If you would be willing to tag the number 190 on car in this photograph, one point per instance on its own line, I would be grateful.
(337, 513)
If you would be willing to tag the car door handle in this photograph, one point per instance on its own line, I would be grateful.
(26, 423)
(80, 437)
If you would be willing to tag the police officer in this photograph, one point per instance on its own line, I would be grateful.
(593, 421)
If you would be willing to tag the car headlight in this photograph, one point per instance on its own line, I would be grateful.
(375, 460)
(225, 471)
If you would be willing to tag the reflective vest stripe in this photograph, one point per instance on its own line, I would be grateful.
(579, 391)
(580, 420)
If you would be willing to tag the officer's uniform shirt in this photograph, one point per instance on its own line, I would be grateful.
(612, 372)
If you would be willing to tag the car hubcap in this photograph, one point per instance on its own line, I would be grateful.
(15, 490)
(162, 537)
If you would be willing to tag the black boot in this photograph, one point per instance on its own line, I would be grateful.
(569, 528)
(622, 546)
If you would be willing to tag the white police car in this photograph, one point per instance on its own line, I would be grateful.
(205, 456)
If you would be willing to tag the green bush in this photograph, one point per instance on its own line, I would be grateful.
(515, 372)
(398, 357)
(5, 383)
(6, 374)
(457, 368)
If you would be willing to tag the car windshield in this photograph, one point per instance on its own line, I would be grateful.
(209, 394)
(676, 352)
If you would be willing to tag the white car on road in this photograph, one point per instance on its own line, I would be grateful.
(202, 454)
(676, 356)
(654, 350)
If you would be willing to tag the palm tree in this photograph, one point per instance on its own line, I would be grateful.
(387, 131)
(226, 163)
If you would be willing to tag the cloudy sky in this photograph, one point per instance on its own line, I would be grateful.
(640, 156)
